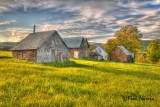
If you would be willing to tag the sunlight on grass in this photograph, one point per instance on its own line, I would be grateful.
(78, 82)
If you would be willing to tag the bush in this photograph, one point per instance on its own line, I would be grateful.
(141, 57)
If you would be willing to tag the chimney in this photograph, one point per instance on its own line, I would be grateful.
(34, 29)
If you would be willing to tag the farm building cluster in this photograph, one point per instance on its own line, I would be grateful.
(49, 46)
(119, 54)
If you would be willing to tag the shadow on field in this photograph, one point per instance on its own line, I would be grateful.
(147, 64)
(139, 74)
(66, 64)
(5, 57)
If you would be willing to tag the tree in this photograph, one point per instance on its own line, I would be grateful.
(92, 47)
(128, 36)
(110, 45)
(153, 54)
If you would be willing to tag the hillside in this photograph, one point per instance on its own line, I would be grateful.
(81, 82)
(6, 45)
(145, 43)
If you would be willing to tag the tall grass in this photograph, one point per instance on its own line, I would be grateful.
(78, 82)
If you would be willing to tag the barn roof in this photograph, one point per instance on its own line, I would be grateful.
(100, 47)
(74, 42)
(124, 50)
(33, 40)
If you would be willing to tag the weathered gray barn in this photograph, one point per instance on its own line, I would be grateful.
(40, 47)
(78, 46)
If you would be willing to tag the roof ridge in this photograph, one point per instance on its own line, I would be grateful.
(125, 50)
(71, 37)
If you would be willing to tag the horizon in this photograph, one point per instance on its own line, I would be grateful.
(95, 20)
(94, 41)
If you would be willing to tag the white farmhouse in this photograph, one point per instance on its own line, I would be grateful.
(102, 52)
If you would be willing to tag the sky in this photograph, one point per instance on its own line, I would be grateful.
(96, 20)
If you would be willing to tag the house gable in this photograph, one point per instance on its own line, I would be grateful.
(53, 50)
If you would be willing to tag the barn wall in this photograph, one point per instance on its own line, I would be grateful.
(118, 55)
(53, 50)
(100, 58)
(84, 49)
(29, 55)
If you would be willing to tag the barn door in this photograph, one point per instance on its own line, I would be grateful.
(53, 55)
(56, 56)
(20, 55)
(76, 54)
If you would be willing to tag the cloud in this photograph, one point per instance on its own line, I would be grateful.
(84, 17)
(46, 26)
(100, 39)
(151, 30)
(14, 34)
(13, 22)
(153, 15)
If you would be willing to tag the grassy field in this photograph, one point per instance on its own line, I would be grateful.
(80, 83)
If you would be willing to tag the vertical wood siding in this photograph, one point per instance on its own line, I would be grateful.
(83, 52)
(29, 55)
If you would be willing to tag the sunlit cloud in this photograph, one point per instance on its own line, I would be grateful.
(14, 34)
(8, 22)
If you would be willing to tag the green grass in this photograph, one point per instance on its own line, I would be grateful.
(78, 82)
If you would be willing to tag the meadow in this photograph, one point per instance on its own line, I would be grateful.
(78, 83)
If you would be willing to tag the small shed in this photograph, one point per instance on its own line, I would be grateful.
(95, 56)
(102, 52)
(121, 54)
(78, 46)
(40, 47)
